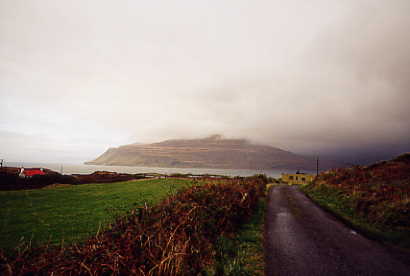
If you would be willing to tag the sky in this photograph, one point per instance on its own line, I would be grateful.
(320, 77)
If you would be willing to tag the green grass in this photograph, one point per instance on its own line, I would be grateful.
(71, 214)
(342, 206)
(243, 254)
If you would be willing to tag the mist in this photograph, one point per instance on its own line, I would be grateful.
(327, 78)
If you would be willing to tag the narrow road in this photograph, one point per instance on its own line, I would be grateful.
(302, 239)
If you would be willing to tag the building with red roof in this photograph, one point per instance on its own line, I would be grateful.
(31, 172)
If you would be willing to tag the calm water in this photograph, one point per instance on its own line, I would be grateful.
(86, 169)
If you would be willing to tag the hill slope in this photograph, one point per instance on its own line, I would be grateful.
(379, 193)
(211, 152)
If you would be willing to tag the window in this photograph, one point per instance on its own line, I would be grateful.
(303, 179)
(291, 177)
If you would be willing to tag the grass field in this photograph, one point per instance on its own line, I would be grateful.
(71, 214)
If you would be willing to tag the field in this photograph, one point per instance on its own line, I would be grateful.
(71, 214)
(178, 236)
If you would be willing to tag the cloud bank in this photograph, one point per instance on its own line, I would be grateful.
(320, 77)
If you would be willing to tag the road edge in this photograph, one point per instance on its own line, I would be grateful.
(403, 254)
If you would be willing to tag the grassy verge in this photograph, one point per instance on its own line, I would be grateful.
(72, 214)
(342, 206)
(243, 254)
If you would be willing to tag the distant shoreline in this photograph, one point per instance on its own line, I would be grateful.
(87, 169)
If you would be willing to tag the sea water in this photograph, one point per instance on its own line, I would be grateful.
(87, 169)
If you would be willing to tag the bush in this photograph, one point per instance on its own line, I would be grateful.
(14, 182)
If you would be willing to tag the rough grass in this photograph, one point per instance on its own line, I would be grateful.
(373, 199)
(244, 253)
(72, 214)
(343, 205)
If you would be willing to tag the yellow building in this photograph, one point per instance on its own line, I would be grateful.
(297, 178)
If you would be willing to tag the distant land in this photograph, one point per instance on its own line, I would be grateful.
(212, 152)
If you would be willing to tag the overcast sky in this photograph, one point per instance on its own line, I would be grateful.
(325, 77)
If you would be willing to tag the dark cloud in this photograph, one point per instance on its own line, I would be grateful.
(329, 79)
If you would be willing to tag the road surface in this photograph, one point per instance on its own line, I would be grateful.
(302, 239)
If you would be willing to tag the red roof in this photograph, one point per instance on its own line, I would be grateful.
(28, 172)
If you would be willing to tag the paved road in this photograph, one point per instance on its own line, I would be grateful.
(302, 239)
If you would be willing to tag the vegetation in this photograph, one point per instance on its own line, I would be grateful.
(374, 199)
(9, 180)
(105, 177)
(175, 237)
(74, 213)
(243, 254)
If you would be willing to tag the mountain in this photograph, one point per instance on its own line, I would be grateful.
(211, 152)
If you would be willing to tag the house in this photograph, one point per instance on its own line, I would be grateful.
(31, 172)
(297, 178)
